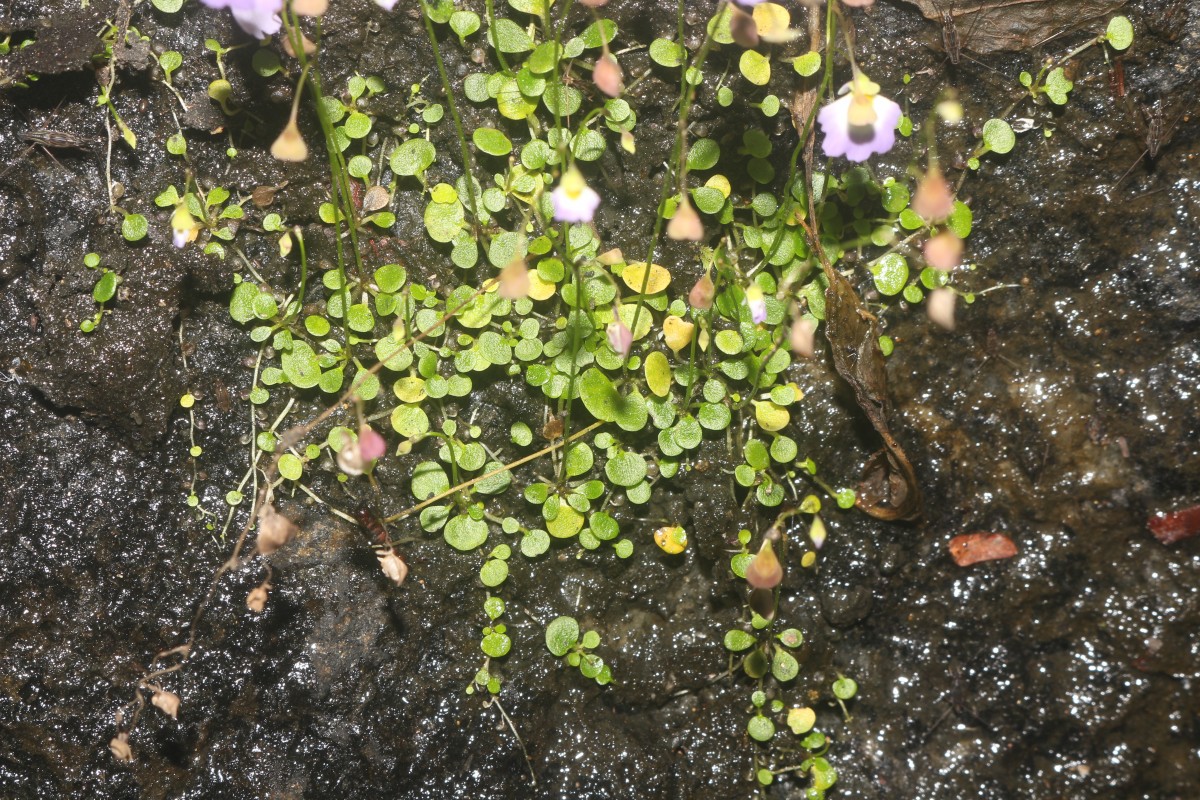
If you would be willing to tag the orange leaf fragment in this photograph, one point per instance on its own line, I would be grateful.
(972, 548)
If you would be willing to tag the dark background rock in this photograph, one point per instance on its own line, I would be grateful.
(1061, 412)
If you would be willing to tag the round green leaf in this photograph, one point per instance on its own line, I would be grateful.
(495, 645)
(666, 53)
(300, 366)
(755, 67)
(493, 572)
(561, 635)
(534, 543)
(890, 273)
(737, 640)
(760, 729)
(998, 136)
(463, 533)
(578, 459)
(703, 154)
(134, 227)
(626, 468)
(491, 141)
(807, 64)
(784, 665)
(1119, 33)
(412, 157)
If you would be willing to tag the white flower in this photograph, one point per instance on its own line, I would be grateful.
(574, 200)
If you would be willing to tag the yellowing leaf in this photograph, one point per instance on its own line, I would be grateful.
(410, 390)
(538, 288)
(658, 373)
(721, 184)
(771, 417)
(774, 23)
(771, 18)
(671, 538)
(635, 273)
(677, 332)
(443, 193)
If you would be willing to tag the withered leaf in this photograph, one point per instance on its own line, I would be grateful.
(1011, 25)
(888, 489)
(973, 548)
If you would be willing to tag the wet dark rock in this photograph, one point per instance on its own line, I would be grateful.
(1061, 412)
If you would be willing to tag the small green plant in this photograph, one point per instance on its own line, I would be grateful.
(103, 292)
(563, 640)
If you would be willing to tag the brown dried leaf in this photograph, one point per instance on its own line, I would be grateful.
(889, 488)
(988, 27)
(972, 548)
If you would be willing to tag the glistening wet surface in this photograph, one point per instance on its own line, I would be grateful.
(1061, 411)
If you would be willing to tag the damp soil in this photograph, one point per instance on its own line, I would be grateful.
(1062, 411)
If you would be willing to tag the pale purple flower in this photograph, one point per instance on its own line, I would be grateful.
(860, 123)
(758, 305)
(259, 18)
(620, 338)
(574, 200)
(750, 2)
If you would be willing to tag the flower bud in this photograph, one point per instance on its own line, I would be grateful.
(816, 532)
(804, 337)
(514, 280)
(940, 307)
(685, 226)
(933, 200)
(620, 338)
(943, 251)
(290, 145)
(607, 75)
(310, 8)
(764, 570)
(757, 303)
(701, 295)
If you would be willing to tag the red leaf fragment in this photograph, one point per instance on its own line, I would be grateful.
(1175, 526)
(971, 548)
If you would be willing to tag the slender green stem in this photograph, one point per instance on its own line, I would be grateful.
(465, 150)
(678, 153)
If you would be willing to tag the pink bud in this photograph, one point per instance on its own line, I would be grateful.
(685, 226)
(933, 200)
(804, 337)
(943, 251)
(514, 280)
(370, 443)
(620, 338)
(607, 75)
(940, 307)
(764, 570)
(701, 295)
